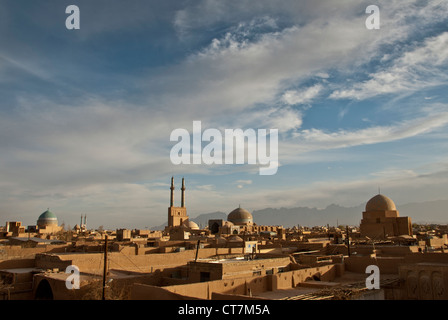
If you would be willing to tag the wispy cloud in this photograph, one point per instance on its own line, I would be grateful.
(242, 183)
(304, 96)
(91, 129)
(420, 68)
(316, 139)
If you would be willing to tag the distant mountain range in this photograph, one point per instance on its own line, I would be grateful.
(424, 212)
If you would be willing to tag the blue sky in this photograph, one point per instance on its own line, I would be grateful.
(86, 115)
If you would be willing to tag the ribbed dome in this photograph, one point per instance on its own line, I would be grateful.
(47, 218)
(240, 216)
(380, 203)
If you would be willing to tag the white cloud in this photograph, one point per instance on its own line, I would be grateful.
(206, 187)
(235, 73)
(315, 139)
(302, 97)
(242, 183)
(323, 75)
(417, 69)
(95, 149)
(395, 173)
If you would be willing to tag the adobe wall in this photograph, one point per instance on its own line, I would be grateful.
(296, 244)
(215, 270)
(17, 263)
(382, 250)
(238, 269)
(223, 296)
(336, 249)
(146, 292)
(20, 285)
(18, 277)
(314, 260)
(58, 288)
(429, 257)
(246, 268)
(241, 286)
(424, 281)
(374, 230)
(93, 262)
(291, 279)
(437, 242)
(17, 252)
(387, 265)
(201, 290)
(391, 264)
(396, 250)
(90, 287)
(83, 261)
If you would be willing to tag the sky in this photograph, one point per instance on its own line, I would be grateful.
(86, 114)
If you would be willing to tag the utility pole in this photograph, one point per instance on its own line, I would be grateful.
(347, 236)
(105, 269)
(197, 250)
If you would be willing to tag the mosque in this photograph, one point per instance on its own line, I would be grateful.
(239, 222)
(47, 223)
(381, 219)
(179, 225)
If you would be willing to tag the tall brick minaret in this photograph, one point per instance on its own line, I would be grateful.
(183, 194)
(177, 215)
(172, 192)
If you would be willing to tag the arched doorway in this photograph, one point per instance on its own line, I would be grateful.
(214, 228)
(43, 291)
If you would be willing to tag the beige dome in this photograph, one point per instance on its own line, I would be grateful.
(228, 224)
(380, 203)
(191, 225)
(235, 238)
(240, 216)
(220, 240)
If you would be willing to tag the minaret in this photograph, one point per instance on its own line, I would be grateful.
(85, 223)
(183, 194)
(172, 192)
(177, 216)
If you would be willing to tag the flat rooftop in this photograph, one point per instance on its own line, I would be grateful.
(22, 270)
(236, 259)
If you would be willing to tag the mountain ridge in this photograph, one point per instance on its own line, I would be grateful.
(435, 211)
